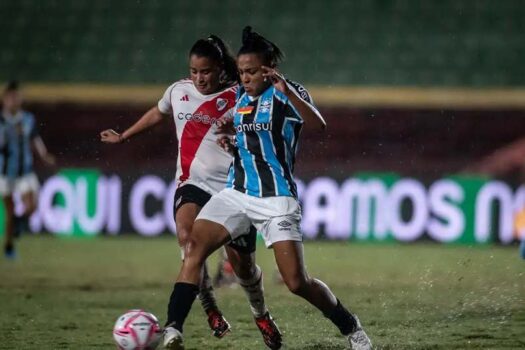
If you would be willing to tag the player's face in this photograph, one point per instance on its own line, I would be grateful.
(12, 101)
(205, 74)
(249, 65)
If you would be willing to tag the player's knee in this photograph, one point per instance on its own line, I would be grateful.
(183, 233)
(194, 252)
(243, 265)
(297, 285)
(30, 208)
(244, 272)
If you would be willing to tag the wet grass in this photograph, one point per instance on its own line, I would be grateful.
(66, 294)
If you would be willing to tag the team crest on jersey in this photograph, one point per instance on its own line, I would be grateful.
(265, 106)
(221, 104)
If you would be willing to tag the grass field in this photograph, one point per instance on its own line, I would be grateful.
(66, 294)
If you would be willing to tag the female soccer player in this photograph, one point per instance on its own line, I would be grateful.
(202, 167)
(18, 136)
(269, 114)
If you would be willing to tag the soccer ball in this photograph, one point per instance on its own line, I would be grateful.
(137, 330)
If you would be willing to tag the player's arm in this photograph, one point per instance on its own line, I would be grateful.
(149, 119)
(42, 151)
(39, 146)
(308, 112)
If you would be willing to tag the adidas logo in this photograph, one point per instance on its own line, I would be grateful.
(184, 98)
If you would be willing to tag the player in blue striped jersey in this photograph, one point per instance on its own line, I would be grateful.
(270, 112)
(18, 136)
(267, 131)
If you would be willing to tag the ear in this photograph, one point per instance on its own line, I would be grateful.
(223, 77)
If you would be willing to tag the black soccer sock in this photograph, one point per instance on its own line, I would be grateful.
(181, 300)
(343, 319)
(20, 225)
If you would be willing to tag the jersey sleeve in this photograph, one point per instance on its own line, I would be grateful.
(301, 91)
(164, 104)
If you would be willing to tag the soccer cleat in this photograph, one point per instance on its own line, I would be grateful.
(271, 334)
(173, 339)
(218, 324)
(358, 339)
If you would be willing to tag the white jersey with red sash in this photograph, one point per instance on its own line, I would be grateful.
(201, 162)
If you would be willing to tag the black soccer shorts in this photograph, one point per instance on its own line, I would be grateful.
(244, 244)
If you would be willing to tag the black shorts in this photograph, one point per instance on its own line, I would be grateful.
(193, 194)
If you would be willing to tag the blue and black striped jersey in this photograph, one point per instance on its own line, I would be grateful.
(16, 134)
(267, 134)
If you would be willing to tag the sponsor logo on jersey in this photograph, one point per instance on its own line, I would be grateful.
(221, 104)
(254, 127)
(197, 117)
(184, 98)
(245, 110)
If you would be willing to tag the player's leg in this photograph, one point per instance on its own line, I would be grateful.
(290, 261)
(225, 276)
(205, 238)
(241, 254)
(21, 223)
(186, 210)
(29, 201)
(220, 220)
(278, 219)
(9, 241)
(27, 186)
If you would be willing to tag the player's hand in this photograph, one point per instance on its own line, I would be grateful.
(225, 126)
(226, 143)
(276, 78)
(49, 159)
(110, 136)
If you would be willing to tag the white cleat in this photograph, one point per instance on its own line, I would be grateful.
(173, 339)
(359, 340)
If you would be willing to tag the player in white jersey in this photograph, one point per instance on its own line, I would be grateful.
(269, 114)
(196, 105)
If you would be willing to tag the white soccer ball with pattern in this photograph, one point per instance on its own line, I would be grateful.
(137, 330)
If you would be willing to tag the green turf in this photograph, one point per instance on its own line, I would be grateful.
(66, 294)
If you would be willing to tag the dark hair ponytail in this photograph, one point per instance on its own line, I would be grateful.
(214, 48)
(253, 42)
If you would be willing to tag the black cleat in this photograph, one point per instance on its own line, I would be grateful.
(218, 324)
(271, 334)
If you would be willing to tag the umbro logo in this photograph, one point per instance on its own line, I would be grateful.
(184, 98)
(284, 223)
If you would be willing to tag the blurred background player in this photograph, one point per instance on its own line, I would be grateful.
(506, 161)
(202, 167)
(18, 136)
(269, 115)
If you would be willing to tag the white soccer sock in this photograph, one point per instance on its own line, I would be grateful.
(254, 290)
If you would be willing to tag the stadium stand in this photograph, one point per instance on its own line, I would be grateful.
(405, 42)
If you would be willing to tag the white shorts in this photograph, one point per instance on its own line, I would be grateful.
(276, 218)
(21, 185)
